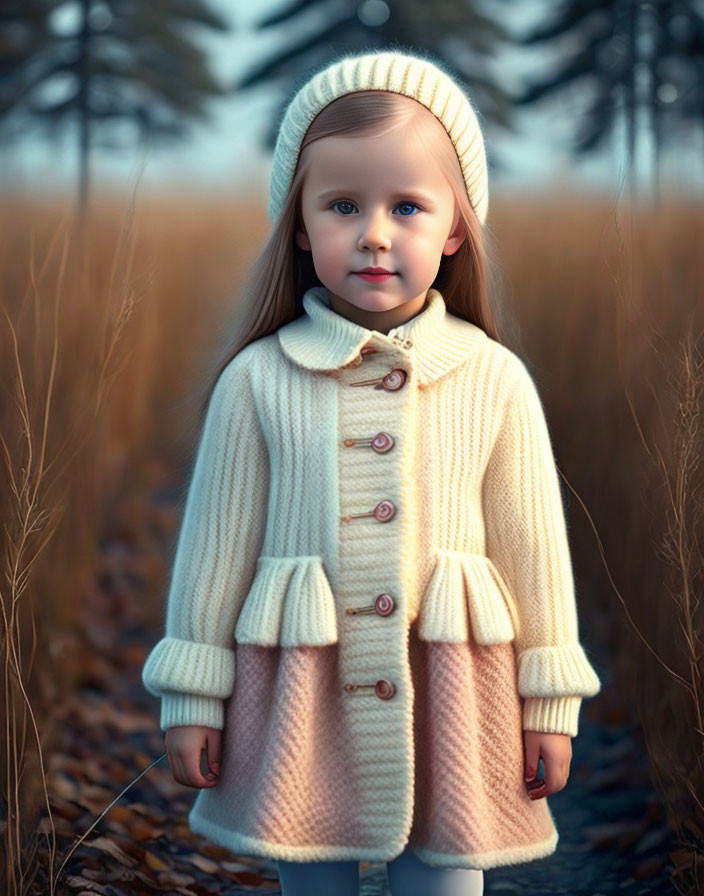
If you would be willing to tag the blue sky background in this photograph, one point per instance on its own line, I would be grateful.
(224, 155)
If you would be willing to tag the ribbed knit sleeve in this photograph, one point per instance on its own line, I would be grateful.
(526, 538)
(192, 668)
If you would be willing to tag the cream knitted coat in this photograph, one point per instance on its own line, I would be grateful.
(372, 596)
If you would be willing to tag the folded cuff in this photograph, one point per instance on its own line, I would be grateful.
(192, 667)
(561, 670)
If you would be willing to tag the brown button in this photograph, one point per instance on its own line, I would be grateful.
(385, 689)
(384, 604)
(382, 442)
(384, 511)
(394, 379)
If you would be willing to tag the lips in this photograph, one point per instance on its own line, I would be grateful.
(374, 275)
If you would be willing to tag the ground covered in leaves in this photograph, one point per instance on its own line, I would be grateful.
(613, 836)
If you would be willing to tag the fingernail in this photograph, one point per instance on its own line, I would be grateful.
(210, 776)
(530, 774)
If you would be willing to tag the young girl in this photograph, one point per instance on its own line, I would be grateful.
(371, 628)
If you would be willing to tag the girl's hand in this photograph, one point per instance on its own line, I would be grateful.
(556, 750)
(185, 745)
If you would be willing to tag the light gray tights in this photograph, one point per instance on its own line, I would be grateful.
(408, 876)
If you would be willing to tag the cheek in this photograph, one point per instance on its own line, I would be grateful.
(426, 244)
(329, 245)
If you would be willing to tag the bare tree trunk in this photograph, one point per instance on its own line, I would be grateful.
(631, 10)
(655, 22)
(83, 117)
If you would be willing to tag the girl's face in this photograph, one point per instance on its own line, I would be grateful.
(377, 202)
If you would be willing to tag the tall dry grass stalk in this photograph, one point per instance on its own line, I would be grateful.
(675, 722)
(57, 379)
(670, 651)
(610, 302)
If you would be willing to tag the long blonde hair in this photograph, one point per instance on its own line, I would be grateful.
(272, 295)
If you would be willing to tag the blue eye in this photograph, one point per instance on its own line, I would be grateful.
(410, 205)
(344, 202)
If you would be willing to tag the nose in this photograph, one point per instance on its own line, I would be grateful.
(375, 235)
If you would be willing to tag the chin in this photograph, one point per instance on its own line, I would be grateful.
(377, 302)
(375, 297)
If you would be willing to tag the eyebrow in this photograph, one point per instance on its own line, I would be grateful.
(412, 193)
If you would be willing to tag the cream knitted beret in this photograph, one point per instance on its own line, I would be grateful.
(410, 75)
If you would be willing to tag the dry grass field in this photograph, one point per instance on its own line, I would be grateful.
(108, 341)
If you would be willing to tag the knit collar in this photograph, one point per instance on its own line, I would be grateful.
(322, 339)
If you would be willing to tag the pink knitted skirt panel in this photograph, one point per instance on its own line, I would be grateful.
(286, 757)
